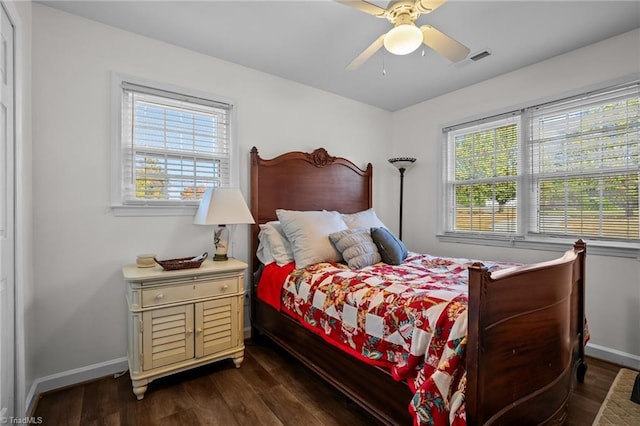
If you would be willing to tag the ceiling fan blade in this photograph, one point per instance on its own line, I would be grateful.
(443, 44)
(366, 54)
(365, 7)
(427, 6)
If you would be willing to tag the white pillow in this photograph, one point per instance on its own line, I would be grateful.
(274, 246)
(263, 253)
(364, 219)
(308, 232)
(357, 247)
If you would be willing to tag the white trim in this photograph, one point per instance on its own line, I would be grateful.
(154, 210)
(613, 355)
(555, 244)
(21, 224)
(72, 377)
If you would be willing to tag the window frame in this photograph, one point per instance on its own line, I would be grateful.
(118, 205)
(524, 238)
(490, 123)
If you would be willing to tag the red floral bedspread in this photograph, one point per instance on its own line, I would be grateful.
(411, 318)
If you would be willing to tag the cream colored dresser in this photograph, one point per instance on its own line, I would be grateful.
(183, 319)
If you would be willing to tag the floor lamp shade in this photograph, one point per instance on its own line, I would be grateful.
(402, 164)
(222, 206)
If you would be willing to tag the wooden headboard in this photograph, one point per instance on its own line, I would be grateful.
(305, 181)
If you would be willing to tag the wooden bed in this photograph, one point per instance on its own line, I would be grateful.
(525, 332)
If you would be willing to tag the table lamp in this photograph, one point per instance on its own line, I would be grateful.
(222, 207)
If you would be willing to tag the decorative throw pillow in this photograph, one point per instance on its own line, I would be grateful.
(356, 246)
(274, 246)
(308, 232)
(392, 250)
(364, 219)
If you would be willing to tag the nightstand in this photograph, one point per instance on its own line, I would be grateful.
(182, 319)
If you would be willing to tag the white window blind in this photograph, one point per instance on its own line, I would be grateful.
(584, 158)
(562, 170)
(483, 176)
(174, 146)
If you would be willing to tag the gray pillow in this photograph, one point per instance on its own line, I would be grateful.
(391, 249)
(356, 246)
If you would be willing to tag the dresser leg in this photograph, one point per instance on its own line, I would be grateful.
(139, 388)
(238, 360)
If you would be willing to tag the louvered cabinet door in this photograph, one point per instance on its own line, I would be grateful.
(217, 326)
(167, 336)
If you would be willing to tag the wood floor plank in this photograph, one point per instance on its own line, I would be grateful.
(288, 408)
(63, 406)
(308, 388)
(209, 405)
(246, 404)
(270, 388)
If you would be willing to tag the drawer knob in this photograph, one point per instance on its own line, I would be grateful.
(225, 287)
(159, 296)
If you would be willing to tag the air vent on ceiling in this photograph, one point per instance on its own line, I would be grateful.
(480, 55)
(475, 57)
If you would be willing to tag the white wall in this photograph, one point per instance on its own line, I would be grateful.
(79, 245)
(613, 284)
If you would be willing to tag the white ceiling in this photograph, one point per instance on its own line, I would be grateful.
(312, 41)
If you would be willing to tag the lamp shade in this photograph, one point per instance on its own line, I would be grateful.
(222, 206)
(402, 162)
(403, 39)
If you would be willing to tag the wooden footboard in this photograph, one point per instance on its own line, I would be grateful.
(525, 341)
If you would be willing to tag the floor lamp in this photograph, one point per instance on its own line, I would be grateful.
(403, 164)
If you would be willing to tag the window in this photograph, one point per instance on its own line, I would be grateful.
(565, 169)
(172, 146)
(483, 176)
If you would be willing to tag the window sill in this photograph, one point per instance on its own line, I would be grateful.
(148, 210)
(594, 247)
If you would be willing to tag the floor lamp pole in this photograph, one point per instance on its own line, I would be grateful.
(402, 164)
(402, 169)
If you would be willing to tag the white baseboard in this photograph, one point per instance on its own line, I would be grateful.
(613, 355)
(72, 377)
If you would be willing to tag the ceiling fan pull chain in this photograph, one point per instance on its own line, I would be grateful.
(384, 70)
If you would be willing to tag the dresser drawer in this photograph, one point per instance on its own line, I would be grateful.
(162, 295)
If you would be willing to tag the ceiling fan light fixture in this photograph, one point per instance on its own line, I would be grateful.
(403, 39)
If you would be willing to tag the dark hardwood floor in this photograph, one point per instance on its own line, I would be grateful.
(269, 389)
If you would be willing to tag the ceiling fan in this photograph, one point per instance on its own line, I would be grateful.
(405, 37)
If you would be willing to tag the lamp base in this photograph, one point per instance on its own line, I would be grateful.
(220, 257)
